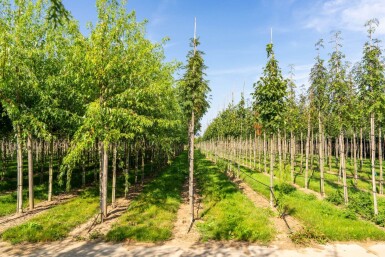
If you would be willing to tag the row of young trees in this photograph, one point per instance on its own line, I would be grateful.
(343, 104)
(100, 95)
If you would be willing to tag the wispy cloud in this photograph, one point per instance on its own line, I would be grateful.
(346, 14)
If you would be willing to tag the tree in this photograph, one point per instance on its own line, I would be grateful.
(318, 80)
(194, 91)
(269, 102)
(372, 86)
(339, 101)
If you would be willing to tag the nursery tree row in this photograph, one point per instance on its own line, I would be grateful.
(339, 117)
(84, 101)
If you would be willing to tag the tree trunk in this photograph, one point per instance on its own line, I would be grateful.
(30, 172)
(105, 178)
(373, 156)
(301, 161)
(279, 154)
(380, 159)
(50, 170)
(292, 144)
(142, 165)
(191, 166)
(355, 158)
(19, 171)
(321, 157)
(264, 152)
(127, 169)
(271, 170)
(361, 151)
(307, 152)
(343, 169)
(113, 193)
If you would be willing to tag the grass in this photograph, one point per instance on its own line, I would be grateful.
(150, 217)
(57, 222)
(325, 219)
(360, 198)
(229, 214)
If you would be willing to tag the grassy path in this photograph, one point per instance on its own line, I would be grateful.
(56, 223)
(228, 214)
(150, 217)
(324, 221)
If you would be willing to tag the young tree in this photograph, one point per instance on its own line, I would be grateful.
(339, 92)
(318, 80)
(269, 102)
(372, 86)
(194, 91)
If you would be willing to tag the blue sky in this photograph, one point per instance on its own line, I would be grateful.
(234, 33)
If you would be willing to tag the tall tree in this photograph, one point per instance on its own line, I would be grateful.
(194, 89)
(318, 80)
(269, 102)
(372, 86)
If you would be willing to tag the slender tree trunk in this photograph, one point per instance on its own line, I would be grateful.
(127, 169)
(191, 165)
(3, 157)
(105, 177)
(373, 156)
(292, 153)
(343, 169)
(42, 160)
(101, 191)
(301, 161)
(279, 154)
(264, 152)
(113, 193)
(19, 172)
(307, 153)
(271, 170)
(361, 150)
(142, 166)
(136, 164)
(30, 172)
(50, 170)
(380, 159)
(355, 158)
(321, 157)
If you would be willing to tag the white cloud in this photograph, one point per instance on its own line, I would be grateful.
(346, 14)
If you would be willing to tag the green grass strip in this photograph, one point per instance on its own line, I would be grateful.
(228, 214)
(324, 218)
(151, 216)
(56, 223)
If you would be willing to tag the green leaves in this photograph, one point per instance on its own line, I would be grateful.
(193, 87)
(269, 95)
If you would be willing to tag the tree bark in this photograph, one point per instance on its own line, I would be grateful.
(19, 207)
(292, 144)
(343, 169)
(380, 159)
(373, 156)
(191, 165)
(307, 152)
(50, 170)
(355, 158)
(271, 170)
(30, 172)
(113, 193)
(264, 153)
(105, 177)
(127, 169)
(321, 157)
